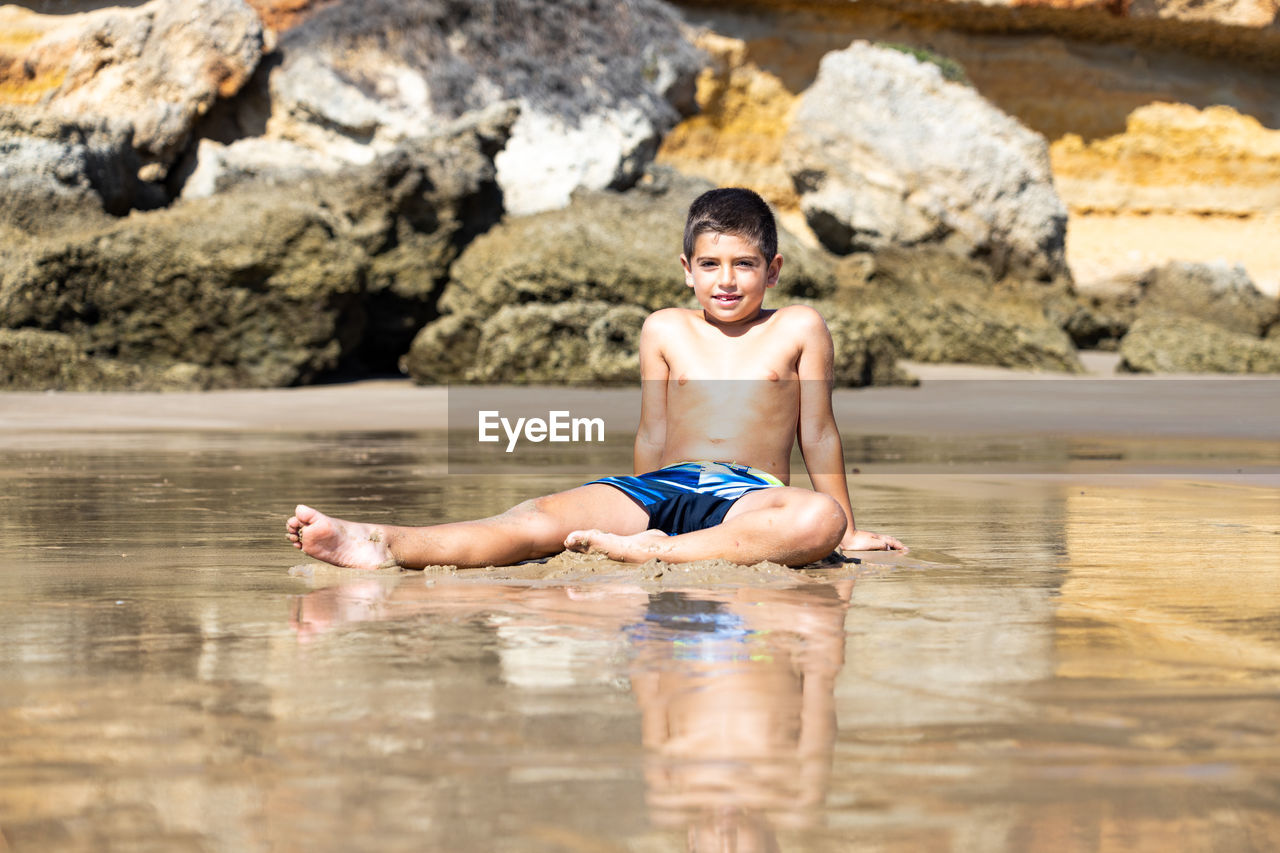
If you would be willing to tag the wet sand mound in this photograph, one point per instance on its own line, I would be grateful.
(570, 567)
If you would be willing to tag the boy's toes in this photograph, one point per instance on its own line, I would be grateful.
(578, 540)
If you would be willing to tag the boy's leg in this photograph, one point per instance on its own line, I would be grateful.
(786, 525)
(535, 528)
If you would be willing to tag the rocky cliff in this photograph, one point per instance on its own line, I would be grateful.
(1162, 118)
(222, 192)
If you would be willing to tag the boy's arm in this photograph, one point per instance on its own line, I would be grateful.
(819, 437)
(652, 435)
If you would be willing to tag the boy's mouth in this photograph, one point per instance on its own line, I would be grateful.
(727, 298)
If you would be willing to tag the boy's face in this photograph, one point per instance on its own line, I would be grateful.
(729, 276)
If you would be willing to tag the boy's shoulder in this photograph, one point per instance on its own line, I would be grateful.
(799, 315)
(799, 322)
(667, 317)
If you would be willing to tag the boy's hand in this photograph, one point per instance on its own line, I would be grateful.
(865, 540)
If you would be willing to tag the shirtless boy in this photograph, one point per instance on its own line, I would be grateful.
(732, 384)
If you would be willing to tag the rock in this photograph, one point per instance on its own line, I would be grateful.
(154, 69)
(606, 248)
(1169, 343)
(935, 307)
(596, 88)
(1217, 293)
(256, 292)
(866, 353)
(736, 137)
(30, 358)
(886, 152)
(55, 176)
(1090, 72)
(577, 341)
(1201, 318)
(281, 15)
(263, 285)
(216, 167)
(573, 341)
(1098, 324)
(1174, 158)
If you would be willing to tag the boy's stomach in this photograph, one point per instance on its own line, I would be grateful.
(770, 457)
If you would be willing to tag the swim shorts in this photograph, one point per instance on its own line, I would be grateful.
(690, 496)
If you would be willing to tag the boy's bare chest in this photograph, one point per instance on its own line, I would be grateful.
(755, 355)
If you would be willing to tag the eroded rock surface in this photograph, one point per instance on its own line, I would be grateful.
(104, 102)
(596, 89)
(253, 287)
(886, 152)
(937, 307)
(1172, 343)
(566, 276)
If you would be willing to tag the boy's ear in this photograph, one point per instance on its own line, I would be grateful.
(688, 271)
(775, 268)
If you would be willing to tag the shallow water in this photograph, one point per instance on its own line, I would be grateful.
(1081, 653)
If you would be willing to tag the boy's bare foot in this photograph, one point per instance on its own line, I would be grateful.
(342, 543)
(636, 548)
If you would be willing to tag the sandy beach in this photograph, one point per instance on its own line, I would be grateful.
(951, 399)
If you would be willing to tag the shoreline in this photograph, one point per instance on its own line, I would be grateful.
(950, 400)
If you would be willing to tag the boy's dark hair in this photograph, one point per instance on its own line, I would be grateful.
(736, 211)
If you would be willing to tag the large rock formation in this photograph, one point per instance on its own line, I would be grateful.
(937, 307)
(251, 287)
(1059, 67)
(1081, 73)
(562, 294)
(1174, 158)
(1172, 343)
(1198, 318)
(886, 152)
(1179, 183)
(1218, 294)
(98, 106)
(596, 89)
(235, 291)
(311, 135)
(736, 138)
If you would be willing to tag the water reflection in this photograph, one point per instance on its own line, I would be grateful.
(735, 687)
(1096, 665)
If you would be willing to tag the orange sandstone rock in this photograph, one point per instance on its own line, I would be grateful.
(1174, 158)
(737, 136)
(157, 67)
(281, 15)
(35, 52)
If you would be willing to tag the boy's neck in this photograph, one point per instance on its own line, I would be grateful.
(737, 327)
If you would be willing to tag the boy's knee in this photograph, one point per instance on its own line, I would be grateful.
(822, 520)
(536, 517)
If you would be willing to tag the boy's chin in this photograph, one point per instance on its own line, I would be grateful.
(732, 312)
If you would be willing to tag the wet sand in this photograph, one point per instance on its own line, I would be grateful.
(1079, 654)
(950, 399)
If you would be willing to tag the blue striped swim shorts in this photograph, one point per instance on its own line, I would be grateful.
(690, 496)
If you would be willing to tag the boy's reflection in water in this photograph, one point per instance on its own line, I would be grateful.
(735, 687)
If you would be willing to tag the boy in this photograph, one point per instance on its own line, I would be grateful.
(736, 505)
